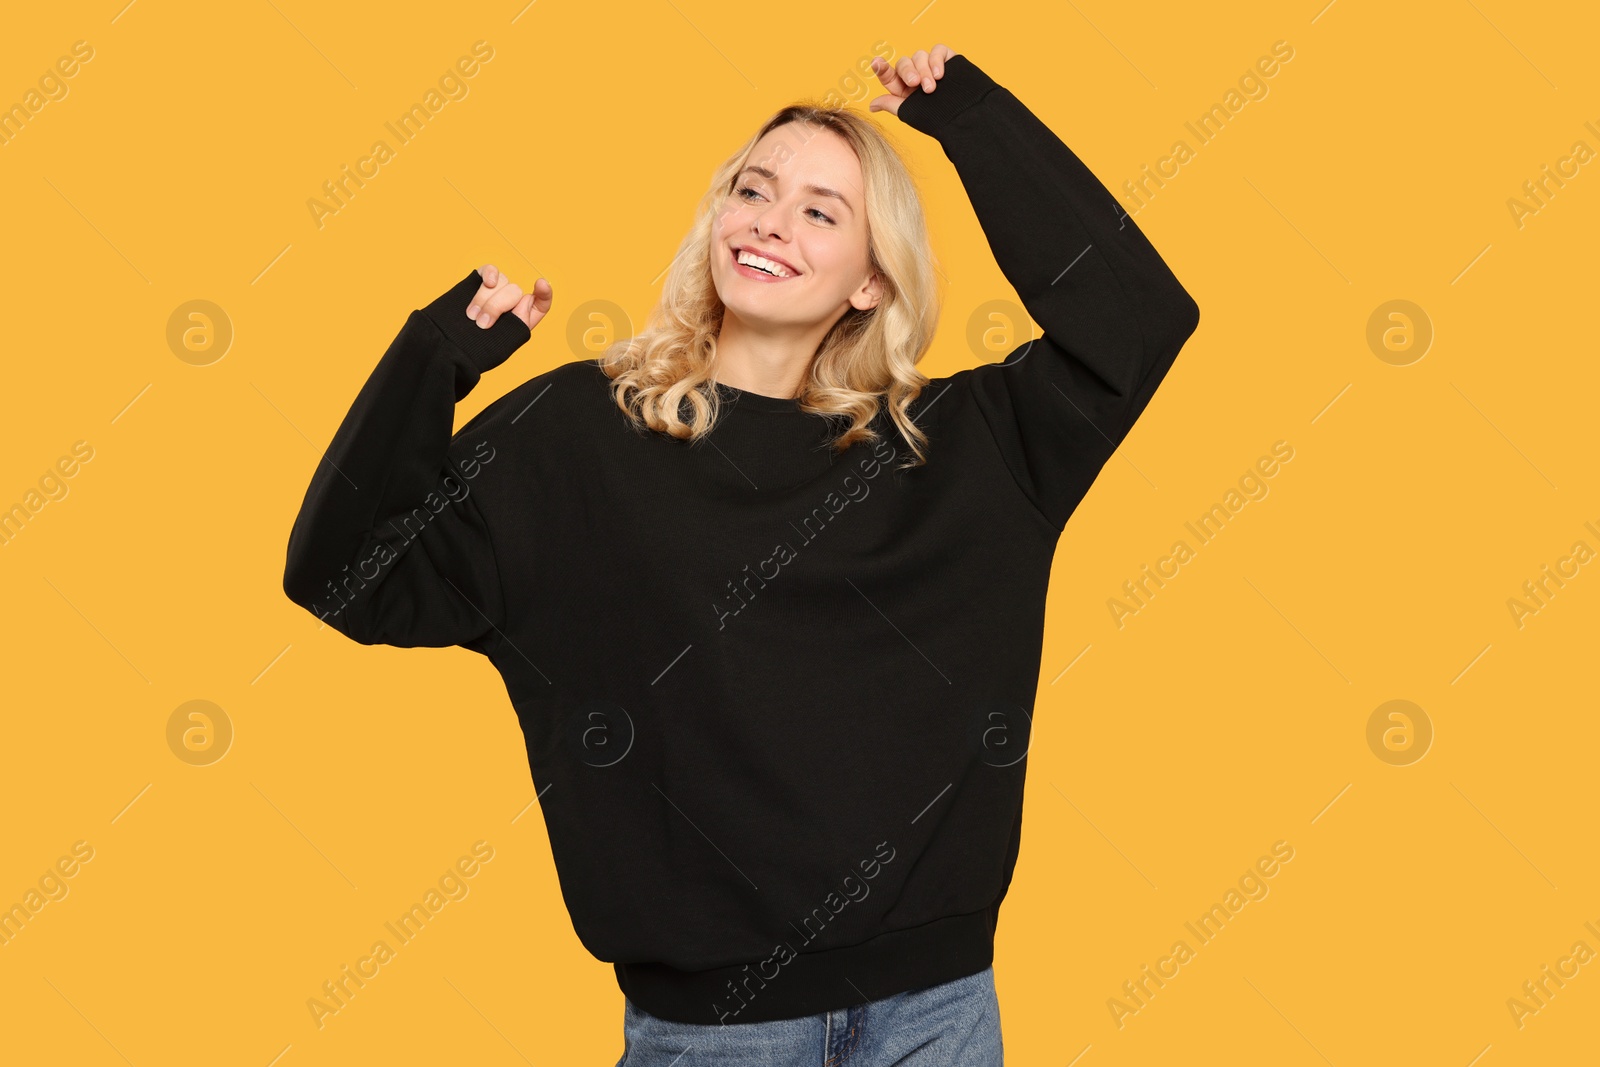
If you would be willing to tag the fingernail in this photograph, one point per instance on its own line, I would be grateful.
(483, 321)
(472, 312)
(927, 85)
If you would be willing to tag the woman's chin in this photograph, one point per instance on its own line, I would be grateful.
(756, 313)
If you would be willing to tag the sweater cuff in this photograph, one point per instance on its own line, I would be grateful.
(963, 85)
(485, 349)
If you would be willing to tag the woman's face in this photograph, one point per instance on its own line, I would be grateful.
(799, 201)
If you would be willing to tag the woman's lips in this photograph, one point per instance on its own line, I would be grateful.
(758, 275)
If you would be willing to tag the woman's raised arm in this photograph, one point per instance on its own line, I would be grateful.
(390, 545)
(1113, 315)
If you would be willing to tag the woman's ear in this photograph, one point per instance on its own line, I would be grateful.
(866, 298)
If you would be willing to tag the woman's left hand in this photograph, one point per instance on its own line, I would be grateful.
(921, 71)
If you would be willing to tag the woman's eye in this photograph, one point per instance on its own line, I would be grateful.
(739, 192)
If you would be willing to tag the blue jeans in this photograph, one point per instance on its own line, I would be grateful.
(955, 1024)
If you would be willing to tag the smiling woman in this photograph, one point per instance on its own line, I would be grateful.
(915, 522)
(808, 274)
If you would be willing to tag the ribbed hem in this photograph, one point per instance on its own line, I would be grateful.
(485, 349)
(962, 86)
(815, 982)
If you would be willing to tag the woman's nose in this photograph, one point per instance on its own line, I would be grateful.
(769, 223)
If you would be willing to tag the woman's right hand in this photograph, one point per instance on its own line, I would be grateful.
(499, 294)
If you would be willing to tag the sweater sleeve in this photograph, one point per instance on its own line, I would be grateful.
(1113, 315)
(391, 545)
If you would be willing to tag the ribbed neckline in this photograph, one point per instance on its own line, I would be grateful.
(743, 398)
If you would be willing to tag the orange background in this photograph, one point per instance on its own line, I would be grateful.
(1232, 711)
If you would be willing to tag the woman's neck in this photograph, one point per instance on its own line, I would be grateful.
(772, 363)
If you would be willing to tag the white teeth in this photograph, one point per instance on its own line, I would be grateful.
(750, 259)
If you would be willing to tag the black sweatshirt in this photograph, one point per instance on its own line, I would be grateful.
(776, 700)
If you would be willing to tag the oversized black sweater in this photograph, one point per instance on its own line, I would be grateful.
(776, 700)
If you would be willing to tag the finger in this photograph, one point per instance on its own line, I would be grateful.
(536, 305)
(889, 76)
(479, 299)
(542, 296)
(910, 77)
(924, 70)
(896, 83)
(491, 278)
(937, 56)
(524, 311)
(503, 299)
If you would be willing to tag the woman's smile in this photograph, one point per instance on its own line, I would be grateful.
(747, 271)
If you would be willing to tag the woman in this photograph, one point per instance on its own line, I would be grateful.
(769, 603)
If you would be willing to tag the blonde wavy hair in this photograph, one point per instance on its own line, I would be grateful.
(867, 359)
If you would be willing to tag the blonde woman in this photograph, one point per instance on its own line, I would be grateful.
(768, 602)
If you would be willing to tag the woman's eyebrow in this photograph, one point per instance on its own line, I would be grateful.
(820, 190)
